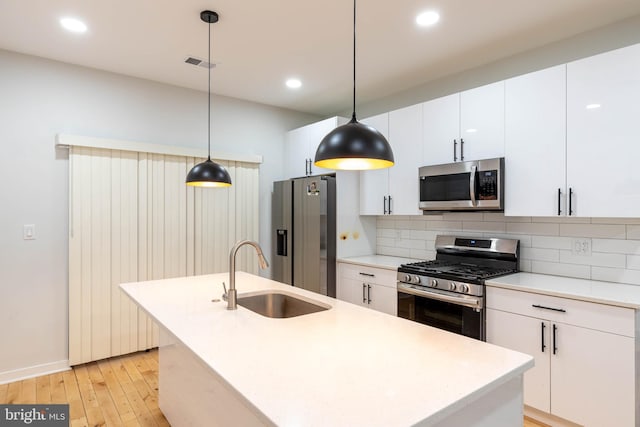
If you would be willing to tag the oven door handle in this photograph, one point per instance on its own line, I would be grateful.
(467, 302)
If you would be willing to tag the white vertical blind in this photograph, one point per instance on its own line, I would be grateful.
(132, 218)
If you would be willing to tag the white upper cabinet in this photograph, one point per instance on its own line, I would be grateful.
(602, 142)
(301, 145)
(441, 130)
(464, 126)
(395, 191)
(405, 136)
(482, 122)
(374, 184)
(535, 129)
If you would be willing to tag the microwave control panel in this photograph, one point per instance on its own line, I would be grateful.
(487, 185)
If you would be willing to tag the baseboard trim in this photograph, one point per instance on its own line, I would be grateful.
(34, 371)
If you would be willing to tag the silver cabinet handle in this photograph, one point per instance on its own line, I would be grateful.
(455, 148)
(364, 298)
(310, 166)
(384, 205)
(389, 205)
(366, 274)
(368, 294)
(472, 185)
(461, 149)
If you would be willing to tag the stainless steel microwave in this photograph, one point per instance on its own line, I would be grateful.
(463, 186)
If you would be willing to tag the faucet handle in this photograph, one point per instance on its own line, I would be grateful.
(224, 296)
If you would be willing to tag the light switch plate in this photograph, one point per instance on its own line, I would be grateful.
(29, 232)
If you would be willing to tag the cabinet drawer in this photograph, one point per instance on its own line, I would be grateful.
(379, 276)
(606, 318)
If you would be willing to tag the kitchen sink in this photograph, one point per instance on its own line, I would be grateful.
(279, 305)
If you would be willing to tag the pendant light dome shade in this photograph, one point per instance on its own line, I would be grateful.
(208, 173)
(354, 146)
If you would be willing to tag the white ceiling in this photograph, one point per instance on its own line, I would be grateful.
(258, 43)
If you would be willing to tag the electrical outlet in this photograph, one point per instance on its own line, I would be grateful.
(581, 247)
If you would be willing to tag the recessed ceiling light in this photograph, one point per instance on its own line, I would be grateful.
(293, 83)
(74, 25)
(592, 106)
(428, 18)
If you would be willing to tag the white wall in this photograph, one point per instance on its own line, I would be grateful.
(546, 243)
(40, 98)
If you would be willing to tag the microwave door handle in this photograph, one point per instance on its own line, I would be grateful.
(472, 185)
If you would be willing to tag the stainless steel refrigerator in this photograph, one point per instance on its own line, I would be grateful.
(304, 233)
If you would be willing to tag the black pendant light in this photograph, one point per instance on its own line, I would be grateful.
(209, 173)
(354, 146)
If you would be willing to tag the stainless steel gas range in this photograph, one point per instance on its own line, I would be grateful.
(448, 292)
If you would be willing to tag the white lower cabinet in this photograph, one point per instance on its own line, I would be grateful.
(368, 286)
(585, 354)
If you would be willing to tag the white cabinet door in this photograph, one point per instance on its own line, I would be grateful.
(301, 145)
(525, 334)
(383, 298)
(593, 377)
(441, 130)
(535, 131)
(352, 291)
(482, 122)
(602, 143)
(374, 184)
(405, 137)
(297, 153)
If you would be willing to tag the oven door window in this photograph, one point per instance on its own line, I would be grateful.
(447, 188)
(443, 315)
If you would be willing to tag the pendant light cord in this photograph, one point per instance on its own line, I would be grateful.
(353, 115)
(209, 101)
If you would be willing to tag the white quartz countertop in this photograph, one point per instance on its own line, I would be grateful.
(610, 293)
(379, 261)
(345, 366)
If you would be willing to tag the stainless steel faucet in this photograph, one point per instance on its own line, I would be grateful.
(232, 295)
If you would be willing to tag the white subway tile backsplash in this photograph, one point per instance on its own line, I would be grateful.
(551, 242)
(615, 220)
(545, 243)
(462, 216)
(422, 254)
(562, 219)
(525, 265)
(444, 225)
(617, 246)
(538, 254)
(593, 230)
(533, 228)
(633, 232)
(616, 275)
(633, 262)
(558, 269)
(386, 241)
(599, 259)
(483, 226)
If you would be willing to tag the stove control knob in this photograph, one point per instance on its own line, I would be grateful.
(464, 288)
(407, 278)
(433, 283)
(416, 279)
(452, 286)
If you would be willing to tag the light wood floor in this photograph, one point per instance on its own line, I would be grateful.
(121, 391)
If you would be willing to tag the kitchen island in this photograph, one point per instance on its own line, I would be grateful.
(345, 366)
